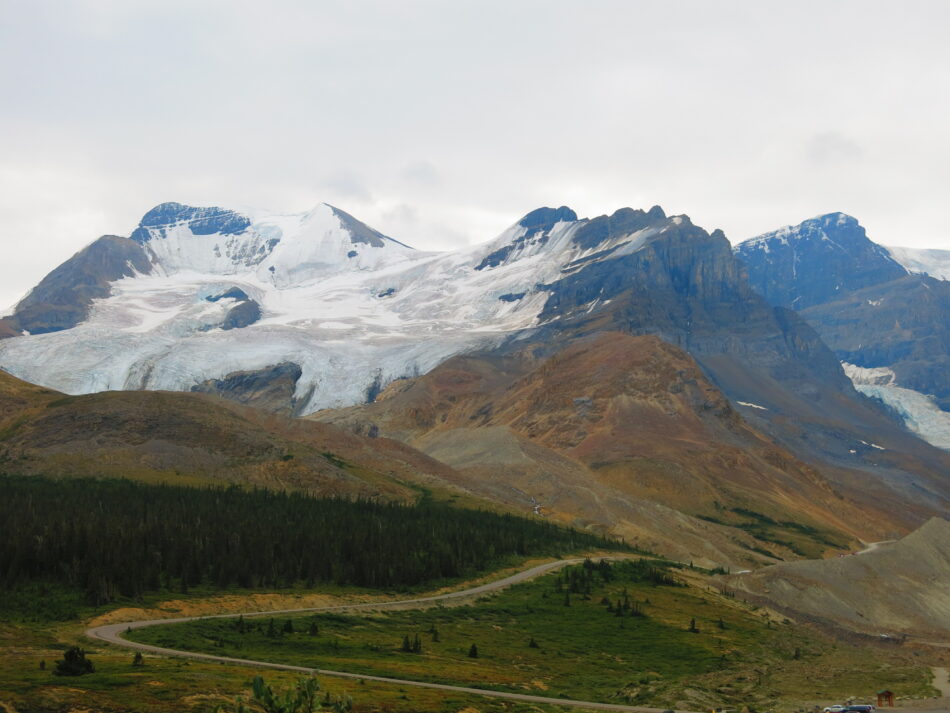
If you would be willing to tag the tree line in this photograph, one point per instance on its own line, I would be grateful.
(116, 538)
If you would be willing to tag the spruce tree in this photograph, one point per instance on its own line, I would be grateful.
(473, 652)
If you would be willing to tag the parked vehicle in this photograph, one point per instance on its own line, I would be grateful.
(835, 709)
(860, 708)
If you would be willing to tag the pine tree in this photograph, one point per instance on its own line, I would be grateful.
(406, 645)
(137, 660)
(74, 663)
(533, 644)
(692, 626)
(314, 630)
(289, 627)
(473, 652)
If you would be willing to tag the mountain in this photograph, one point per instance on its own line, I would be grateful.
(862, 592)
(64, 297)
(313, 311)
(866, 306)
(618, 429)
(816, 261)
(199, 439)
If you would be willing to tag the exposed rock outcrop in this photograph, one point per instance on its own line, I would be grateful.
(271, 388)
(63, 298)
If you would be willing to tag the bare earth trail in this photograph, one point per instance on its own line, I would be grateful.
(111, 633)
(871, 546)
(942, 681)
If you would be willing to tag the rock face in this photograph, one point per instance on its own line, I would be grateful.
(244, 313)
(903, 324)
(271, 389)
(200, 221)
(63, 298)
(895, 589)
(865, 305)
(684, 285)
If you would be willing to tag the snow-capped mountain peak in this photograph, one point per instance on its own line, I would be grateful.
(229, 291)
(281, 249)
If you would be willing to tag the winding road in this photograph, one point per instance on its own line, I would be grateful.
(111, 633)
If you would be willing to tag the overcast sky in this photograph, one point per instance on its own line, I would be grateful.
(441, 123)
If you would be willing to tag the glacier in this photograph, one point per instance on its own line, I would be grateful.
(935, 263)
(919, 412)
(353, 308)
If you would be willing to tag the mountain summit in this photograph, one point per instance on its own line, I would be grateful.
(809, 263)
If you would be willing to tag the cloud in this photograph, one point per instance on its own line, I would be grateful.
(471, 113)
(422, 173)
(831, 147)
(349, 186)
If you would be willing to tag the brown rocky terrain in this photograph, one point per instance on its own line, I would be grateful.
(897, 588)
(623, 432)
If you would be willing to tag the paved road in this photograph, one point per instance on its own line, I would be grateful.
(111, 633)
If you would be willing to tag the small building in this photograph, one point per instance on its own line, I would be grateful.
(885, 698)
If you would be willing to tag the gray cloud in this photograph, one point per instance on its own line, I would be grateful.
(745, 115)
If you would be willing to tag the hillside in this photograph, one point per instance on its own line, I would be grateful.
(195, 438)
(898, 588)
(620, 430)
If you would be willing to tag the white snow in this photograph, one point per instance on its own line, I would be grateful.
(919, 412)
(321, 308)
(921, 415)
(751, 405)
(935, 263)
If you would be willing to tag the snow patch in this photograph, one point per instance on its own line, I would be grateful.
(751, 405)
(875, 376)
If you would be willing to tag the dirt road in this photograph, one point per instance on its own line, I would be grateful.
(111, 633)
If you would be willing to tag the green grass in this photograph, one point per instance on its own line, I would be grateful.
(804, 540)
(584, 650)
